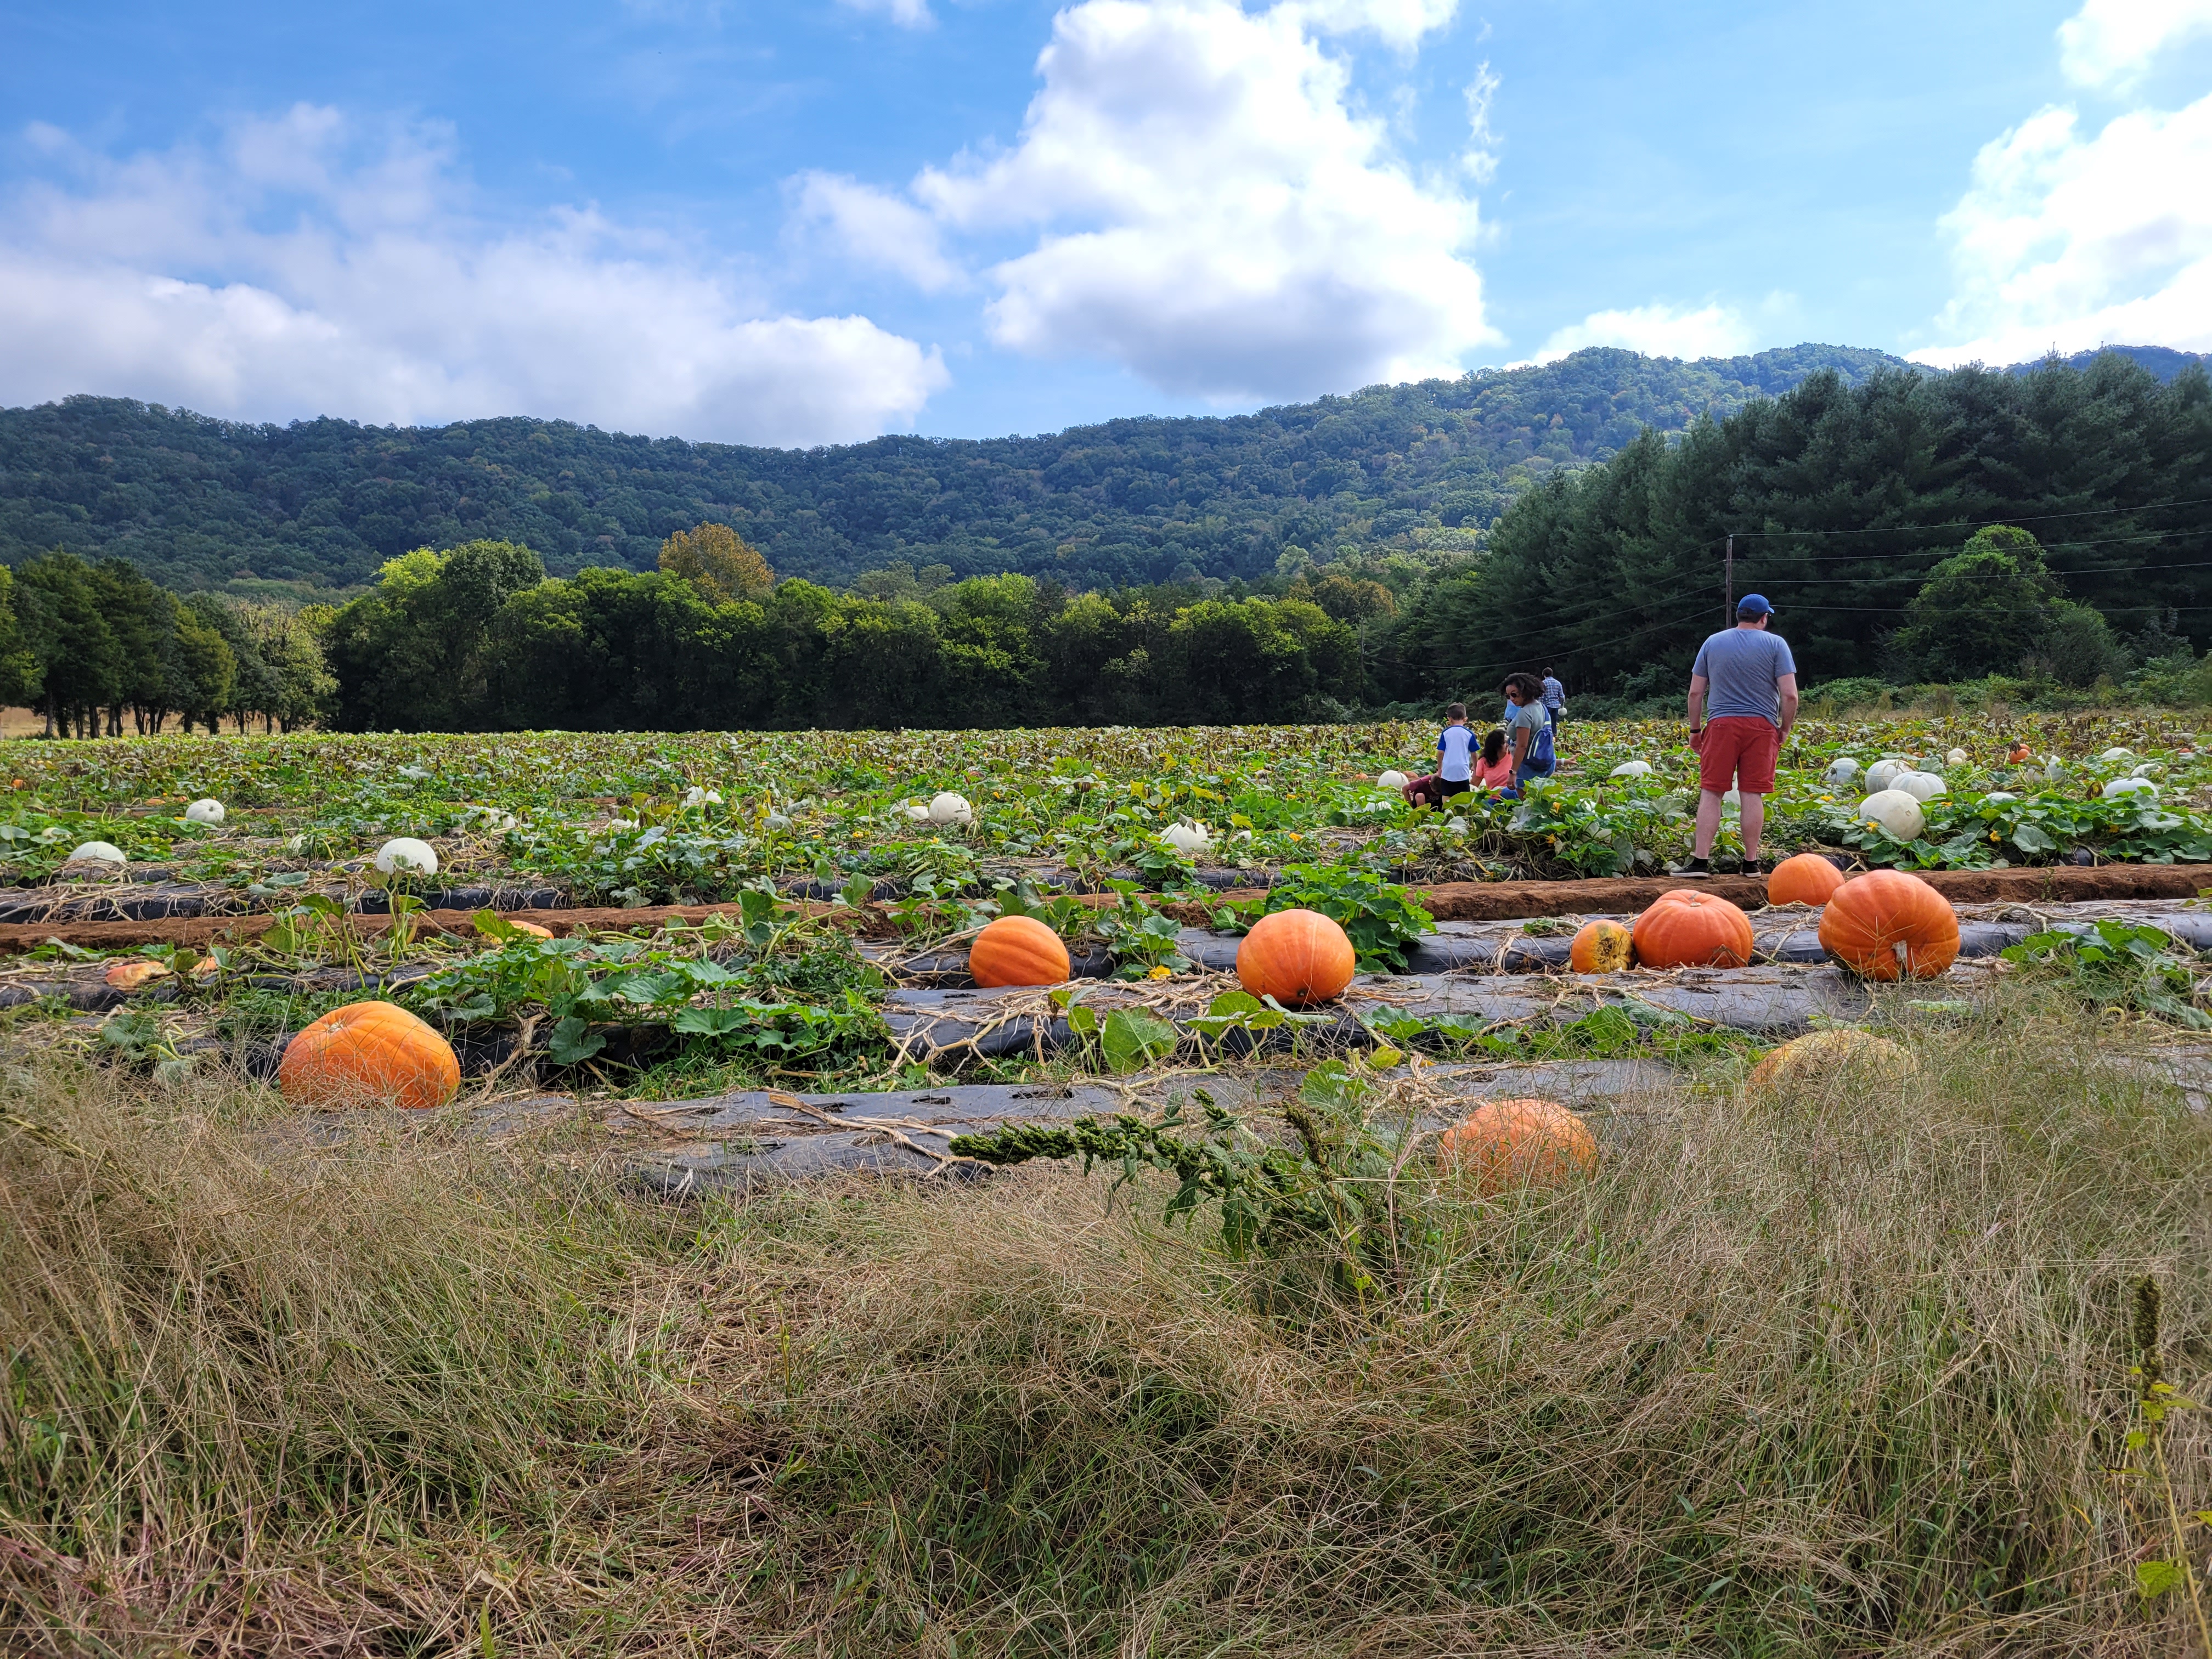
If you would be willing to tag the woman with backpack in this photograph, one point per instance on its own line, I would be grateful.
(1529, 726)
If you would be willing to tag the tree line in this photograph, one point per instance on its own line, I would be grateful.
(89, 643)
(1844, 500)
(480, 639)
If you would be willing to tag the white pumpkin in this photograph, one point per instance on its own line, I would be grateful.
(917, 812)
(1392, 779)
(2149, 769)
(1188, 837)
(2118, 789)
(209, 812)
(100, 852)
(403, 855)
(1883, 773)
(1921, 785)
(1632, 769)
(1999, 794)
(2054, 768)
(949, 808)
(1842, 769)
(2117, 754)
(1894, 810)
(1956, 757)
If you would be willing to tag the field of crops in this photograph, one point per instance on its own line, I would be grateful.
(1491, 1301)
(851, 856)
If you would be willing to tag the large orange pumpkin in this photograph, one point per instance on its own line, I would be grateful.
(1601, 947)
(1517, 1143)
(1885, 925)
(1808, 878)
(1296, 956)
(1690, 928)
(1017, 950)
(369, 1054)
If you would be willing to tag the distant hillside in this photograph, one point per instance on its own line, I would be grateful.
(2161, 361)
(199, 502)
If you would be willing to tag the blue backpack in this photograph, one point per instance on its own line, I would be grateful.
(1541, 757)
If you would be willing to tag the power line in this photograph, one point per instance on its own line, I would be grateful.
(1924, 552)
(1980, 524)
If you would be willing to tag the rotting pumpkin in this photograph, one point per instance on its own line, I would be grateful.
(1017, 950)
(369, 1054)
(1298, 958)
(1601, 947)
(1686, 928)
(1888, 925)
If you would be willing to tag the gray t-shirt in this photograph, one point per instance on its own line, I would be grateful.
(1740, 666)
(1530, 715)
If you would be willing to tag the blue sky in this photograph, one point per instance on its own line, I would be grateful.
(810, 223)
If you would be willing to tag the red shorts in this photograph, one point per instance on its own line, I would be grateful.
(1738, 749)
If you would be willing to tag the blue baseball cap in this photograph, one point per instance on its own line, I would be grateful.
(1753, 604)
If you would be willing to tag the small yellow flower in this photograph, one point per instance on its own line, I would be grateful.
(1164, 971)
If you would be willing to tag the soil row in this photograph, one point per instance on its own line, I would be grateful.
(1462, 901)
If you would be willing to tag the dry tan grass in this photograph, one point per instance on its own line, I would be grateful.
(1830, 1374)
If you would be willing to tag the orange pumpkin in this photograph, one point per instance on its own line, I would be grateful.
(1691, 928)
(1517, 1143)
(533, 930)
(135, 974)
(1808, 878)
(1296, 956)
(1017, 950)
(1887, 925)
(1601, 947)
(369, 1054)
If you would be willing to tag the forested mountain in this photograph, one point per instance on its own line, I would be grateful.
(196, 502)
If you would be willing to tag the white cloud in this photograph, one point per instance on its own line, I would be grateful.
(2066, 242)
(1212, 214)
(303, 266)
(2111, 43)
(907, 14)
(876, 227)
(1399, 23)
(1656, 330)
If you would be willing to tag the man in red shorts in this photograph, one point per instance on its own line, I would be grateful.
(1743, 701)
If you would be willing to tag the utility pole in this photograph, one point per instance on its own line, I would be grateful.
(1727, 606)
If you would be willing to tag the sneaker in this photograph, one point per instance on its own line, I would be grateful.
(1753, 867)
(1696, 867)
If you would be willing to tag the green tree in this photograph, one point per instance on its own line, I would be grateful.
(1985, 609)
(80, 658)
(19, 674)
(414, 654)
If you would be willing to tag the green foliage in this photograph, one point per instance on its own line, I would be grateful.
(1333, 1181)
(2119, 965)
